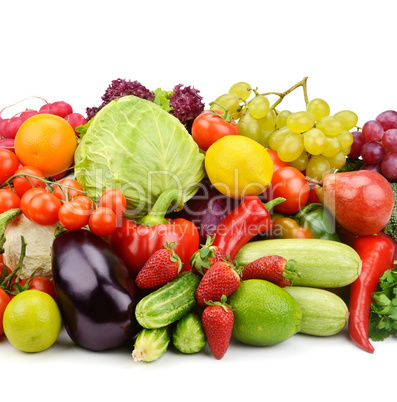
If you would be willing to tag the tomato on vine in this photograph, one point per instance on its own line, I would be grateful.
(27, 196)
(102, 222)
(23, 184)
(8, 200)
(38, 282)
(210, 126)
(73, 215)
(67, 189)
(114, 200)
(8, 165)
(43, 209)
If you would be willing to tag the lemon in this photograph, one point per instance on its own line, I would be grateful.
(264, 313)
(238, 166)
(32, 321)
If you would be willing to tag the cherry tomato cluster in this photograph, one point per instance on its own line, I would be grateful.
(65, 203)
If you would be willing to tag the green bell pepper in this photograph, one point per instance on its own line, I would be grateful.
(318, 220)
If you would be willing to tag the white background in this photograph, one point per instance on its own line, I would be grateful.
(72, 50)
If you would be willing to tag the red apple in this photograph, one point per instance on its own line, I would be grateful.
(361, 201)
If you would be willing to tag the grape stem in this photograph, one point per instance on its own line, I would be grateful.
(282, 95)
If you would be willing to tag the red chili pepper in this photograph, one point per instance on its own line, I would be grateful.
(135, 243)
(249, 219)
(376, 253)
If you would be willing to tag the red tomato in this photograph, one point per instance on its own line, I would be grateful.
(209, 127)
(8, 164)
(313, 199)
(41, 283)
(289, 183)
(43, 209)
(89, 204)
(4, 300)
(277, 162)
(23, 184)
(71, 190)
(8, 200)
(115, 200)
(73, 215)
(102, 222)
(27, 197)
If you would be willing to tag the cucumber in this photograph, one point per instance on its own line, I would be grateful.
(321, 263)
(169, 303)
(150, 344)
(323, 312)
(188, 335)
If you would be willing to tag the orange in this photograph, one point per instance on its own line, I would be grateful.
(47, 142)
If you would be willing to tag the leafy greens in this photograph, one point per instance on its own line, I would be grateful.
(383, 317)
(137, 147)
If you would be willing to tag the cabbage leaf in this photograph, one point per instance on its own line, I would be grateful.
(135, 146)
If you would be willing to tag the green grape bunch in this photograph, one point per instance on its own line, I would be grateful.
(310, 140)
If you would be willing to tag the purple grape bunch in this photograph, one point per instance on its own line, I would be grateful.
(376, 144)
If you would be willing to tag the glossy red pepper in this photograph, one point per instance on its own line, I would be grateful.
(249, 219)
(134, 242)
(376, 253)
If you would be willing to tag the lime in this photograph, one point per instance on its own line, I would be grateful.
(32, 321)
(264, 313)
(238, 166)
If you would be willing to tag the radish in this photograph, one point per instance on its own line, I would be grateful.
(60, 108)
(11, 128)
(75, 120)
(3, 122)
(7, 143)
(28, 113)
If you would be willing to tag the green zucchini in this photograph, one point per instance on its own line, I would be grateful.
(150, 344)
(169, 303)
(321, 263)
(188, 335)
(323, 312)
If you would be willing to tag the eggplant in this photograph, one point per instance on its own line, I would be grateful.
(95, 293)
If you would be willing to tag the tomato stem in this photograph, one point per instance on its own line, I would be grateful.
(47, 182)
(225, 115)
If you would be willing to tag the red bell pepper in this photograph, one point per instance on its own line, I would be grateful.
(249, 219)
(376, 253)
(134, 242)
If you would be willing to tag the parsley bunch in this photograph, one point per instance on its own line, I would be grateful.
(383, 317)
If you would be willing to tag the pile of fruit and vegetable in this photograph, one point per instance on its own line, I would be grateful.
(157, 222)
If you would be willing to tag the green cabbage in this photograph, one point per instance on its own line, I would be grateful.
(137, 147)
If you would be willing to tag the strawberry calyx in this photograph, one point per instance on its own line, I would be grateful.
(200, 259)
(222, 303)
(174, 257)
(290, 271)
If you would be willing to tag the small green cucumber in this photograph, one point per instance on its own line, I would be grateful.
(323, 312)
(150, 344)
(188, 335)
(321, 263)
(169, 303)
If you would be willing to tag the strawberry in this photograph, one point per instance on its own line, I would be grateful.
(220, 279)
(218, 320)
(272, 268)
(208, 255)
(161, 267)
